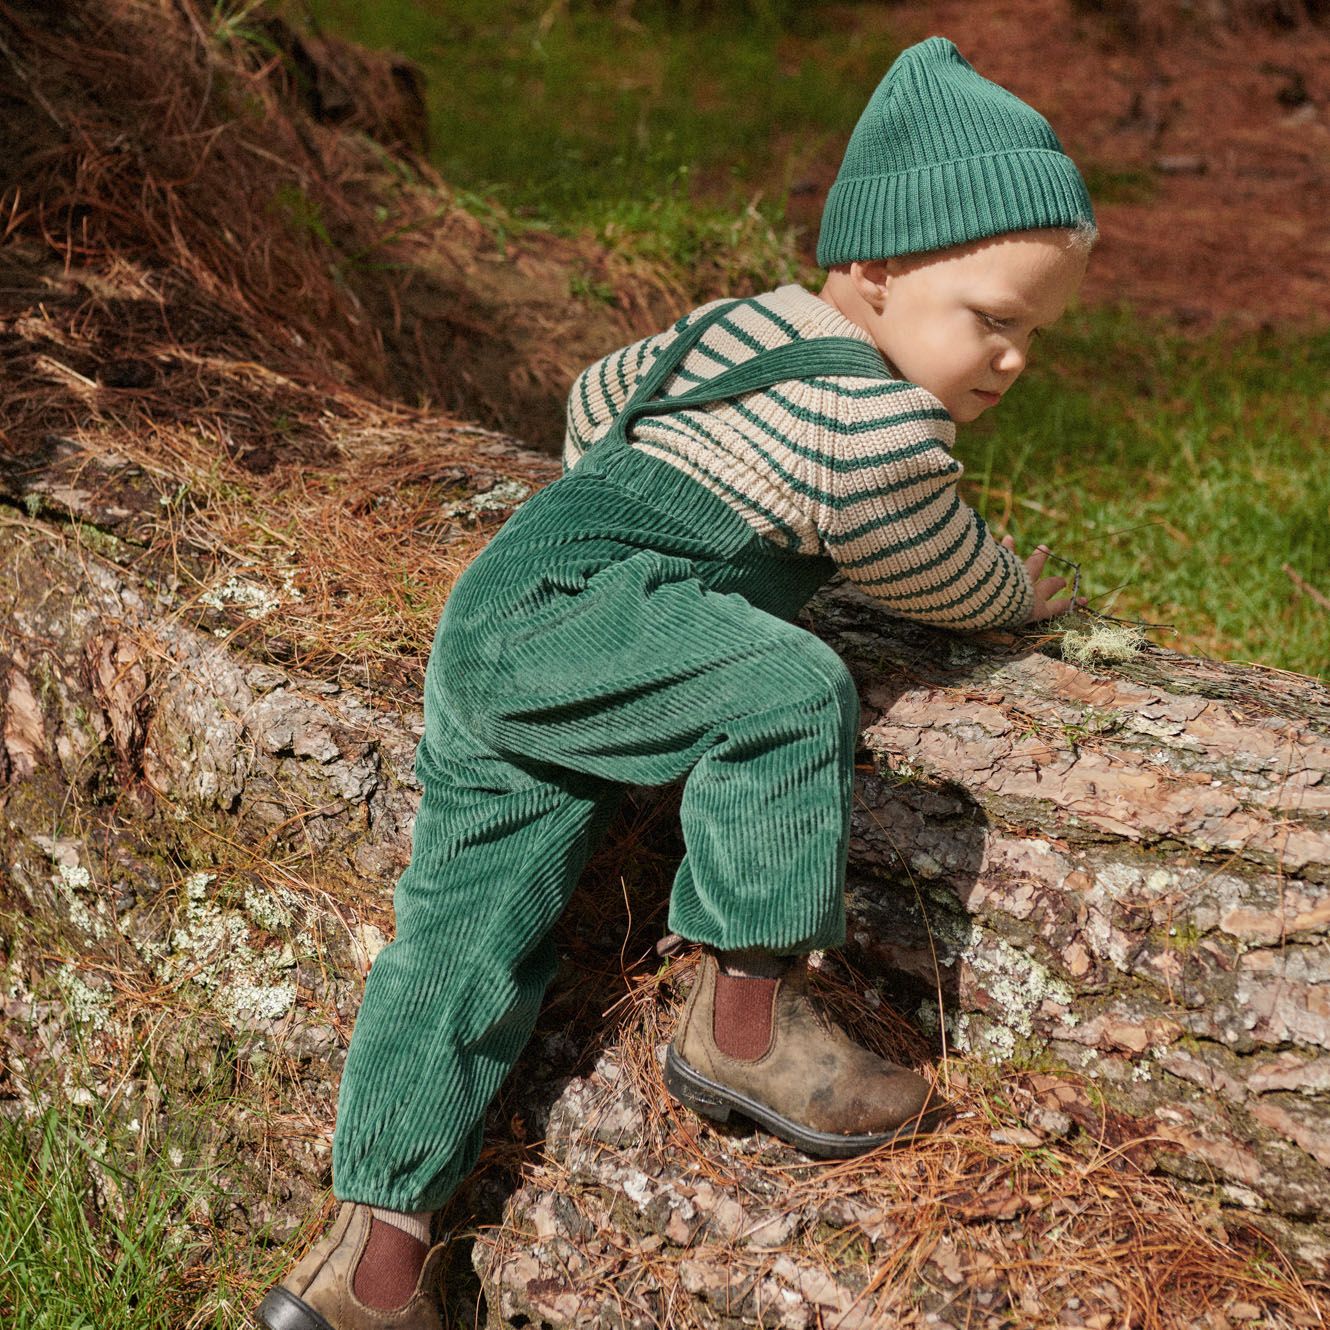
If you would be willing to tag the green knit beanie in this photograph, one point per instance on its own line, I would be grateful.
(941, 156)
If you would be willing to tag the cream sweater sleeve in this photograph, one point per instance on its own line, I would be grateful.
(891, 517)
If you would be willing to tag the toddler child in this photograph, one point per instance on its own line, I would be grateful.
(631, 625)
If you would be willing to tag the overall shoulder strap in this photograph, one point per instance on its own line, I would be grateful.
(846, 357)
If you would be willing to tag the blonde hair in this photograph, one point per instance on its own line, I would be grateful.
(1081, 237)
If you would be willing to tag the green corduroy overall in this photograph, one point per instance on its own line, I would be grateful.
(625, 627)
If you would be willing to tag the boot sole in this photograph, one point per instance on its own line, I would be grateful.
(282, 1310)
(718, 1102)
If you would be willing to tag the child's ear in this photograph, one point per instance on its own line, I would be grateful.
(872, 280)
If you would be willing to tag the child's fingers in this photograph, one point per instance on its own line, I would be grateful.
(1034, 565)
(1009, 543)
(1050, 609)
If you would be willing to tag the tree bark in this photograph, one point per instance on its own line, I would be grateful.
(1125, 869)
(1121, 872)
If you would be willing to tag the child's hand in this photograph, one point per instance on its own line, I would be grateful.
(1044, 587)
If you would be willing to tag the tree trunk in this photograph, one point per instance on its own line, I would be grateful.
(1116, 875)
(1126, 869)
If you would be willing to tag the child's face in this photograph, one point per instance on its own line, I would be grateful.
(960, 322)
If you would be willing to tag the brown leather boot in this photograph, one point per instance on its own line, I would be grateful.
(761, 1048)
(319, 1293)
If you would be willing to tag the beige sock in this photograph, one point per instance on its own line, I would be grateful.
(754, 963)
(414, 1222)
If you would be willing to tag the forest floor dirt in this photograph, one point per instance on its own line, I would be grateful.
(1208, 152)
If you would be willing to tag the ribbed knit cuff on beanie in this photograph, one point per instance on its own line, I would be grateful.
(942, 156)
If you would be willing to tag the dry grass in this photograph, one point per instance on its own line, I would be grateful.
(989, 1222)
(315, 526)
(346, 564)
(205, 174)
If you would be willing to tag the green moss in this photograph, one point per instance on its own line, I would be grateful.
(1034, 1056)
(100, 542)
(1093, 723)
(48, 689)
(1183, 936)
(841, 1246)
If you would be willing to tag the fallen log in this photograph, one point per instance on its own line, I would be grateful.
(1111, 881)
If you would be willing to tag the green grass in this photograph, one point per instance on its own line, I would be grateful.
(705, 249)
(67, 1265)
(1181, 474)
(108, 1221)
(560, 109)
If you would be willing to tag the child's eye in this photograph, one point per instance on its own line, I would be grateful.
(992, 321)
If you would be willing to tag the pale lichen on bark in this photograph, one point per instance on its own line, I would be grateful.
(1126, 877)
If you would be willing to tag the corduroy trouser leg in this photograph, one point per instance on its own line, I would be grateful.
(633, 671)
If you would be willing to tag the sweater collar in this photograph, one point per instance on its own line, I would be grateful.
(813, 316)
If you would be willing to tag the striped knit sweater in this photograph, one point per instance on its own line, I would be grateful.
(854, 469)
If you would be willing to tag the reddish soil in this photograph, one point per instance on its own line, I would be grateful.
(1209, 151)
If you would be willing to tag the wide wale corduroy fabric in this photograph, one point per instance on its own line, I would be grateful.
(823, 463)
(626, 626)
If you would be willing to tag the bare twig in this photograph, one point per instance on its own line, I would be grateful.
(1306, 587)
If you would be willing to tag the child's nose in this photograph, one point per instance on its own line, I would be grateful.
(1010, 360)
